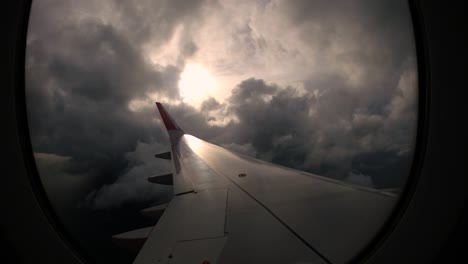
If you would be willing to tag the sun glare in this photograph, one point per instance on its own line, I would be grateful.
(196, 84)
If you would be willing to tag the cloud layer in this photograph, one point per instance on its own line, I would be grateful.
(304, 84)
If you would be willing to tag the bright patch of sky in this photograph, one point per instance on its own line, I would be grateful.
(234, 41)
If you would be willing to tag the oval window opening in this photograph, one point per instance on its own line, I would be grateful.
(276, 123)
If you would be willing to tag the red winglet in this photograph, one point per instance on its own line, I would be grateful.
(168, 122)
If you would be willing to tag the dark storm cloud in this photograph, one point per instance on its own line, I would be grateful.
(356, 119)
(363, 23)
(251, 90)
(152, 24)
(102, 65)
(155, 20)
(81, 75)
(133, 185)
(368, 40)
(366, 54)
(210, 105)
(78, 93)
(331, 134)
(265, 113)
(386, 167)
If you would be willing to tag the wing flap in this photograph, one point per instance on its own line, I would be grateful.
(188, 217)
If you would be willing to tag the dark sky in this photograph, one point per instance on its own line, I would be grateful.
(328, 87)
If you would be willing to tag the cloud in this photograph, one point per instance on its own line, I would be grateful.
(82, 72)
(132, 185)
(325, 134)
(301, 83)
(64, 189)
(245, 149)
(210, 105)
(360, 179)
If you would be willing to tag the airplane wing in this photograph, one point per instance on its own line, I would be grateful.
(230, 208)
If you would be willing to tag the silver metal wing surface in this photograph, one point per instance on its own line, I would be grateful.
(230, 208)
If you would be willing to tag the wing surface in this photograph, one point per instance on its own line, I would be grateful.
(230, 208)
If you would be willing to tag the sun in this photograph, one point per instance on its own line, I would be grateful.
(196, 84)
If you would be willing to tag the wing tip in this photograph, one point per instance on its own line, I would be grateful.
(170, 124)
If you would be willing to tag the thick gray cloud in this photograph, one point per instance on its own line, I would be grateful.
(155, 20)
(80, 78)
(348, 112)
(141, 165)
(333, 134)
(210, 105)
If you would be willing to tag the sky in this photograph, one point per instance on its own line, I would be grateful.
(328, 87)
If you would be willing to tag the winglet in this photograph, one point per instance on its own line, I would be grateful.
(170, 124)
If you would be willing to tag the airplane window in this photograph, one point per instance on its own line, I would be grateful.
(325, 88)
